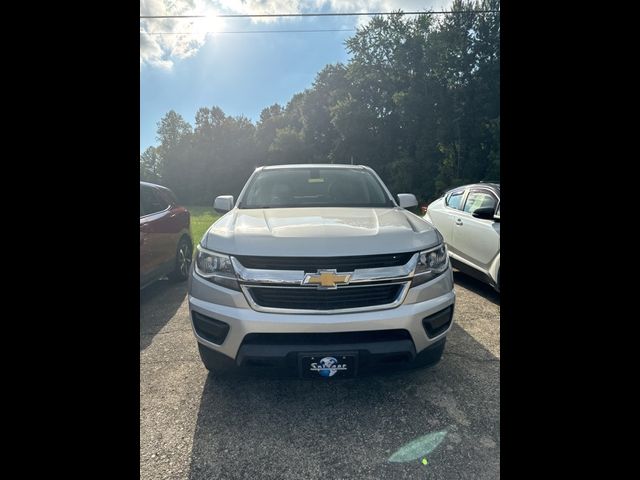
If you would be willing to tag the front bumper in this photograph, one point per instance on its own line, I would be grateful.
(232, 308)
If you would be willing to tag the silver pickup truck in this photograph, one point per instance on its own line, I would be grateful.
(317, 271)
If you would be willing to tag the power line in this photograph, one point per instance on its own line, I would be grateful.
(255, 31)
(238, 15)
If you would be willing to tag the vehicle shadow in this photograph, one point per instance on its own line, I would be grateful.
(256, 427)
(158, 304)
(476, 286)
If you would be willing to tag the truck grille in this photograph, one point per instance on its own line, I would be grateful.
(313, 264)
(293, 298)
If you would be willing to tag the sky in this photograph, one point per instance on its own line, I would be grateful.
(241, 73)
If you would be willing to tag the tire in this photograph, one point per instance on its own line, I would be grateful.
(430, 356)
(184, 257)
(218, 364)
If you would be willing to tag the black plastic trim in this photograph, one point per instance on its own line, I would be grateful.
(438, 323)
(472, 272)
(210, 329)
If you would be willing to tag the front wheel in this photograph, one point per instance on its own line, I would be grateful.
(431, 355)
(217, 363)
(184, 256)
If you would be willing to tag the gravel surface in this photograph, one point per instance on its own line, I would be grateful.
(196, 426)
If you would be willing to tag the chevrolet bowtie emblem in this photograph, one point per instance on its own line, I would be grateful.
(326, 279)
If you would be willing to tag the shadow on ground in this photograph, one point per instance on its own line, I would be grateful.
(290, 428)
(158, 304)
(476, 286)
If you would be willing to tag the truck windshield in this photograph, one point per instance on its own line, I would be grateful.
(314, 187)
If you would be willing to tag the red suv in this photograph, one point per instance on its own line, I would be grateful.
(165, 235)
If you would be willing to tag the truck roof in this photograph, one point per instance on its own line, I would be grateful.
(312, 165)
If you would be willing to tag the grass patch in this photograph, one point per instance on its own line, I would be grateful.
(201, 220)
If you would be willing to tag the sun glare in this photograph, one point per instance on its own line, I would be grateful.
(209, 25)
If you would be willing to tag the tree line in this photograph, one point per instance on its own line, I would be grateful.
(418, 101)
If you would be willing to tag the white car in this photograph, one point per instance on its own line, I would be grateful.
(468, 218)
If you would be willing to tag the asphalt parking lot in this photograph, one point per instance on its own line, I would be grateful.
(195, 426)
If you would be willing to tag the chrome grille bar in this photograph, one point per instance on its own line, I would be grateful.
(296, 277)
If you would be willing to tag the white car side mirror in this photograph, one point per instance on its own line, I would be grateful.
(223, 203)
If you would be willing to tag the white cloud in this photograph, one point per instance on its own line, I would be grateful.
(161, 51)
(385, 6)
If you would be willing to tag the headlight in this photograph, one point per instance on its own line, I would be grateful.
(216, 268)
(431, 263)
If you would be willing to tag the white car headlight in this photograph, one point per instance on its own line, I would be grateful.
(431, 263)
(216, 267)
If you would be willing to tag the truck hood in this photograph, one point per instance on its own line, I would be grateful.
(319, 232)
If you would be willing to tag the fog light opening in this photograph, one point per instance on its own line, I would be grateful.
(209, 328)
(438, 323)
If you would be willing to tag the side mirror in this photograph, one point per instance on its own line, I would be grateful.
(223, 203)
(407, 200)
(485, 213)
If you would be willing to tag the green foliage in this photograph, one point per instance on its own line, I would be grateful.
(419, 102)
(201, 219)
(150, 165)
